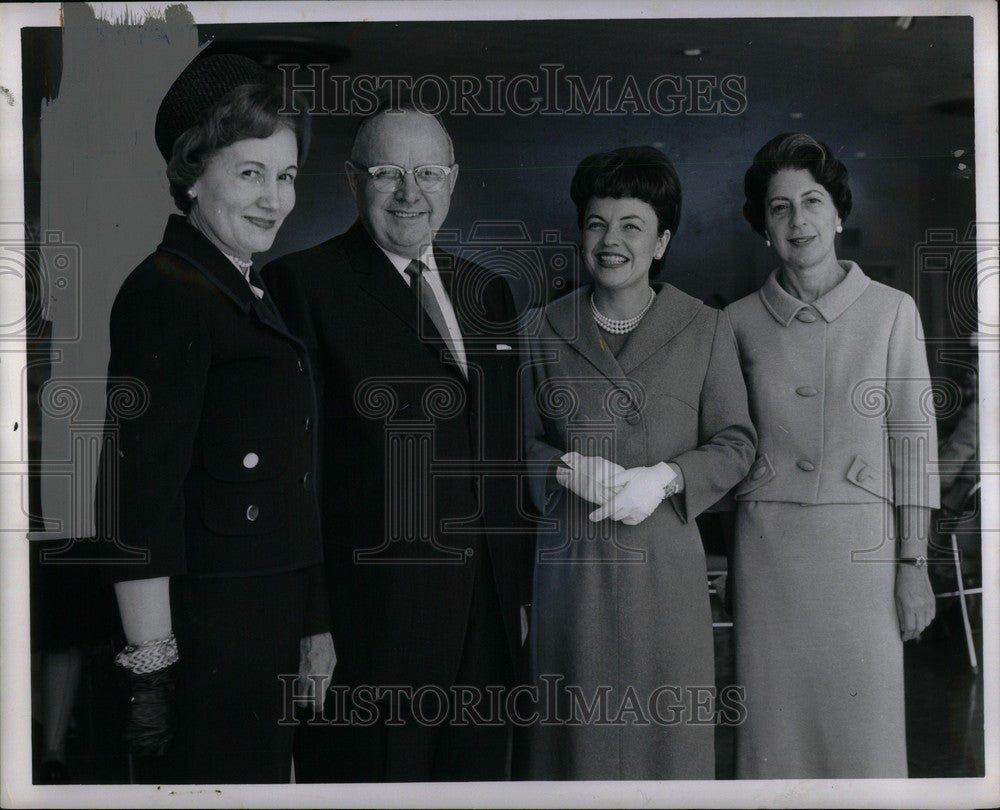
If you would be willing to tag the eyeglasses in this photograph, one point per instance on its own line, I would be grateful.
(389, 177)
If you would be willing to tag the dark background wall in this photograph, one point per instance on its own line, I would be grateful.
(895, 102)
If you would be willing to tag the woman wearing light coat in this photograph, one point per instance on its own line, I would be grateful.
(637, 422)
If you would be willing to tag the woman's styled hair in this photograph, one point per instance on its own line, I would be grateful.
(793, 150)
(247, 111)
(641, 172)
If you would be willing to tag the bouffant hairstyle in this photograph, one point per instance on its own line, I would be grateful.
(641, 172)
(793, 150)
(247, 111)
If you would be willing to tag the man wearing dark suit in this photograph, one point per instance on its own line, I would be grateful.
(416, 360)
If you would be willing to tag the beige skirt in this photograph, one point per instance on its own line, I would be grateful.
(818, 646)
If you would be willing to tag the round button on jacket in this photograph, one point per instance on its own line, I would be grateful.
(252, 512)
(250, 460)
(758, 472)
(806, 316)
(806, 391)
(807, 466)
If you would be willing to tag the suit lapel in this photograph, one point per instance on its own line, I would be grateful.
(672, 310)
(379, 279)
(571, 319)
(184, 240)
(265, 307)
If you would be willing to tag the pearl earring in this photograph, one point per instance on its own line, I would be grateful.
(192, 193)
(840, 228)
(767, 243)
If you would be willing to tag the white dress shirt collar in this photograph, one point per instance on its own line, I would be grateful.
(402, 262)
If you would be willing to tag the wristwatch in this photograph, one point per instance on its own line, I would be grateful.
(673, 486)
(916, 562)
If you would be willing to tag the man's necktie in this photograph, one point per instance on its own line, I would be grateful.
(429, 302)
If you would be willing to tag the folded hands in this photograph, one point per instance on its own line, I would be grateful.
(626, 495)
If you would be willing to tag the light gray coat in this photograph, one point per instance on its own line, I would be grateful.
(623, 611)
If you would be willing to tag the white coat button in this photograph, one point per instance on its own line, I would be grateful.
(806, 391)
(806, 316)
(807, 466)
(759, 472)
(252, 512)
(250, 460)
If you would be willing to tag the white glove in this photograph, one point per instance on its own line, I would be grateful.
(588, 476)
(637, 492)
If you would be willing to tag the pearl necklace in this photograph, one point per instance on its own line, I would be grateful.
(620, 327)
(243, 264)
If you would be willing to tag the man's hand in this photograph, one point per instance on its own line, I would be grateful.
(317, 660)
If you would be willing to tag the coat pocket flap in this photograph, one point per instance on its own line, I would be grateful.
(256, 458)
(760, 473)
(868, 477)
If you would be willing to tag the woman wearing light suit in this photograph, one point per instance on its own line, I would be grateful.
(832, 520)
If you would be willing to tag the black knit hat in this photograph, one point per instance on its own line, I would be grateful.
(202, 85)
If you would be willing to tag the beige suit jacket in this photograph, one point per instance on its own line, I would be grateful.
(840, 395)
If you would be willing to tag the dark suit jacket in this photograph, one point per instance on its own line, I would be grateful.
(404, 511)
(210, 469)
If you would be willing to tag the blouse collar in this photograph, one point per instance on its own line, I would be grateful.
(784, 307)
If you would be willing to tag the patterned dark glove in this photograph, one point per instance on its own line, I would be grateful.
(151, 715)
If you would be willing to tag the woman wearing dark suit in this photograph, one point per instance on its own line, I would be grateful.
(636, 423)
(208, 478)
(831, 526)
